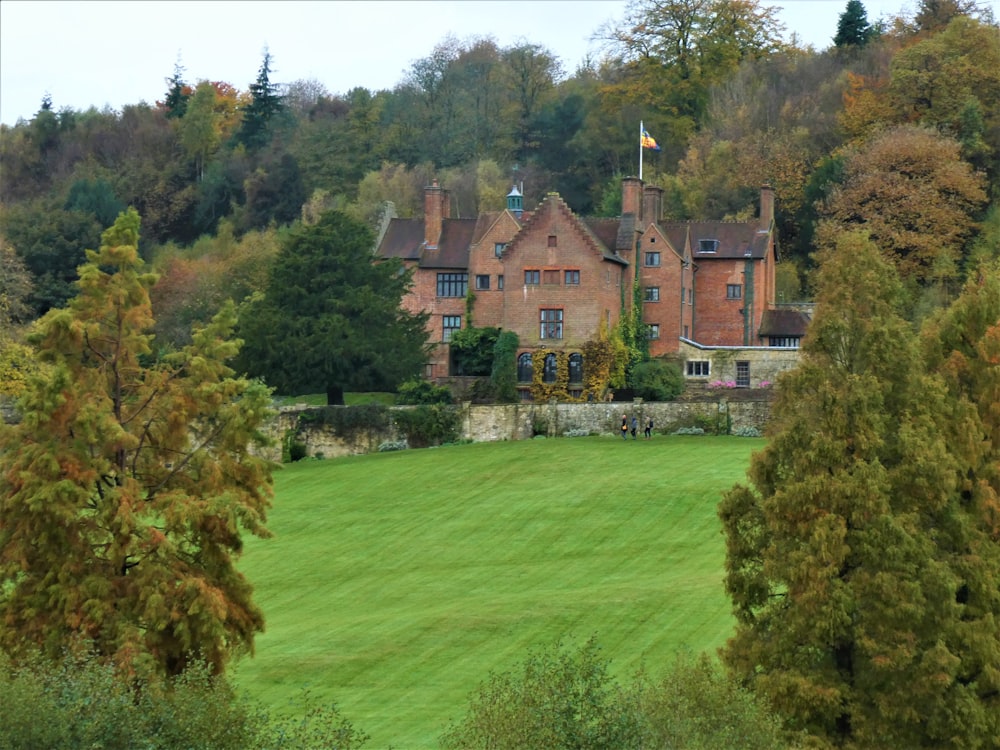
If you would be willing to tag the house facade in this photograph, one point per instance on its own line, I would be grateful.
(553, 277)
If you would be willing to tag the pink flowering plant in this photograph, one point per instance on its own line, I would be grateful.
(722, 384)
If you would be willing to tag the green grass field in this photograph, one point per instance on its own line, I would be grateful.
(395, 582)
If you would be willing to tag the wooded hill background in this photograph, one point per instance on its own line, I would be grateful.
(899, 121)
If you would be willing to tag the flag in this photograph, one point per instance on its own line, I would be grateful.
(648, 141)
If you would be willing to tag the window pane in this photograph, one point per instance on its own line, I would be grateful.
(551, 324)
(652, 294)
(576, 368)
(524, 368)
(734, 291)
(482, 281)
(652, 259)
(450, 324)
(743, 374)
(531, 277)
(452, 284)
(572, 277)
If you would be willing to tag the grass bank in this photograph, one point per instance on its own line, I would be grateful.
(395, 582)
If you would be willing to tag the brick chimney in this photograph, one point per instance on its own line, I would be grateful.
(632, 197)
(766, 206)
(437, 207)
(652, 203)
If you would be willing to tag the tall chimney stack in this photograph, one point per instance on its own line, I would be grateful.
(766, 207)
(434, 210)
(632, 197)
(652, 203)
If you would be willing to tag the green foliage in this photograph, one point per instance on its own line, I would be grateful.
(853, 29)
(126, 488)
(657, 380)
(82, 703)
(472, 350)
(695, 706)
(559, 697)
(428, 424)
(332, 320)
(264, 107)
(861, 617)
(504, 372)
(349, 421)
(96, 198)
(423, 392)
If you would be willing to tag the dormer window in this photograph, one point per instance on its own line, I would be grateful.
(498, 248)
(708, 246)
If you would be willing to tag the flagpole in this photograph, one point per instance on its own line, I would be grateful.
(640, 150)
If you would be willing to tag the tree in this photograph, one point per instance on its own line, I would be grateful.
(125, 488)
(853, 29)
(657, 380)
(178, 93)
(910, 189)
(863, 615)
(265, 105)
(331, 317)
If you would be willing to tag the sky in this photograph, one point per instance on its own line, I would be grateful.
(87, 53)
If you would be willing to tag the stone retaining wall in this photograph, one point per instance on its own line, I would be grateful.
(722, 412)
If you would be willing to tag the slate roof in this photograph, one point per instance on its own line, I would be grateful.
(452, 250)
(737, 239)
(403, 239)
(784, 323)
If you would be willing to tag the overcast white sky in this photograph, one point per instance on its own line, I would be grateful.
(87, 53)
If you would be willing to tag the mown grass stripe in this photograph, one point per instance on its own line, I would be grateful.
(396, 582)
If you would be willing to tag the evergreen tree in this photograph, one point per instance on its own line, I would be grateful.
(331, 318)
(125, 487)
(862, 614)
(853, 29)
(265, 104)
(178, 93)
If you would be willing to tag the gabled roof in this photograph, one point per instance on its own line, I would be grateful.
(617, 235)
(784, 323)
(554, 202)
(403, 239)
(736, 239)
(452, 250)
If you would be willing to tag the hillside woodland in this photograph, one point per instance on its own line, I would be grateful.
(218, 172)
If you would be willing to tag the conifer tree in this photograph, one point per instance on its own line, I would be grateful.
(126, 486)
(265, 104)
(849, 556)
(853, 29)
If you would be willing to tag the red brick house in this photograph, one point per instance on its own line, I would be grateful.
(552, 277)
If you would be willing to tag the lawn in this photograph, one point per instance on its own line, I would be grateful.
(395, 582)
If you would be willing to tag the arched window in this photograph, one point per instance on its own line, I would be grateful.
(524, 369)
(576, 368)
(549, 374)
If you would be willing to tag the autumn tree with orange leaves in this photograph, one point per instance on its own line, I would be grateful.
(127, 485)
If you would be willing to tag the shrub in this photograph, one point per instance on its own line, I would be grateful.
(427, 425)
(393, 445)
(348, 421)
(689, 431)
(472, 350)
(751, 432)
(577, 432)
(697, 707)
(558, 698)
(82, 703)
(504, 374)
(423, 392)
(657, 380)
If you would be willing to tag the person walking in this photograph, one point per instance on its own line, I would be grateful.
(649, 428)
(635, 428)
(624, 426)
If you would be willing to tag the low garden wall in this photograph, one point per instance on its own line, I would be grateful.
(720, 412)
